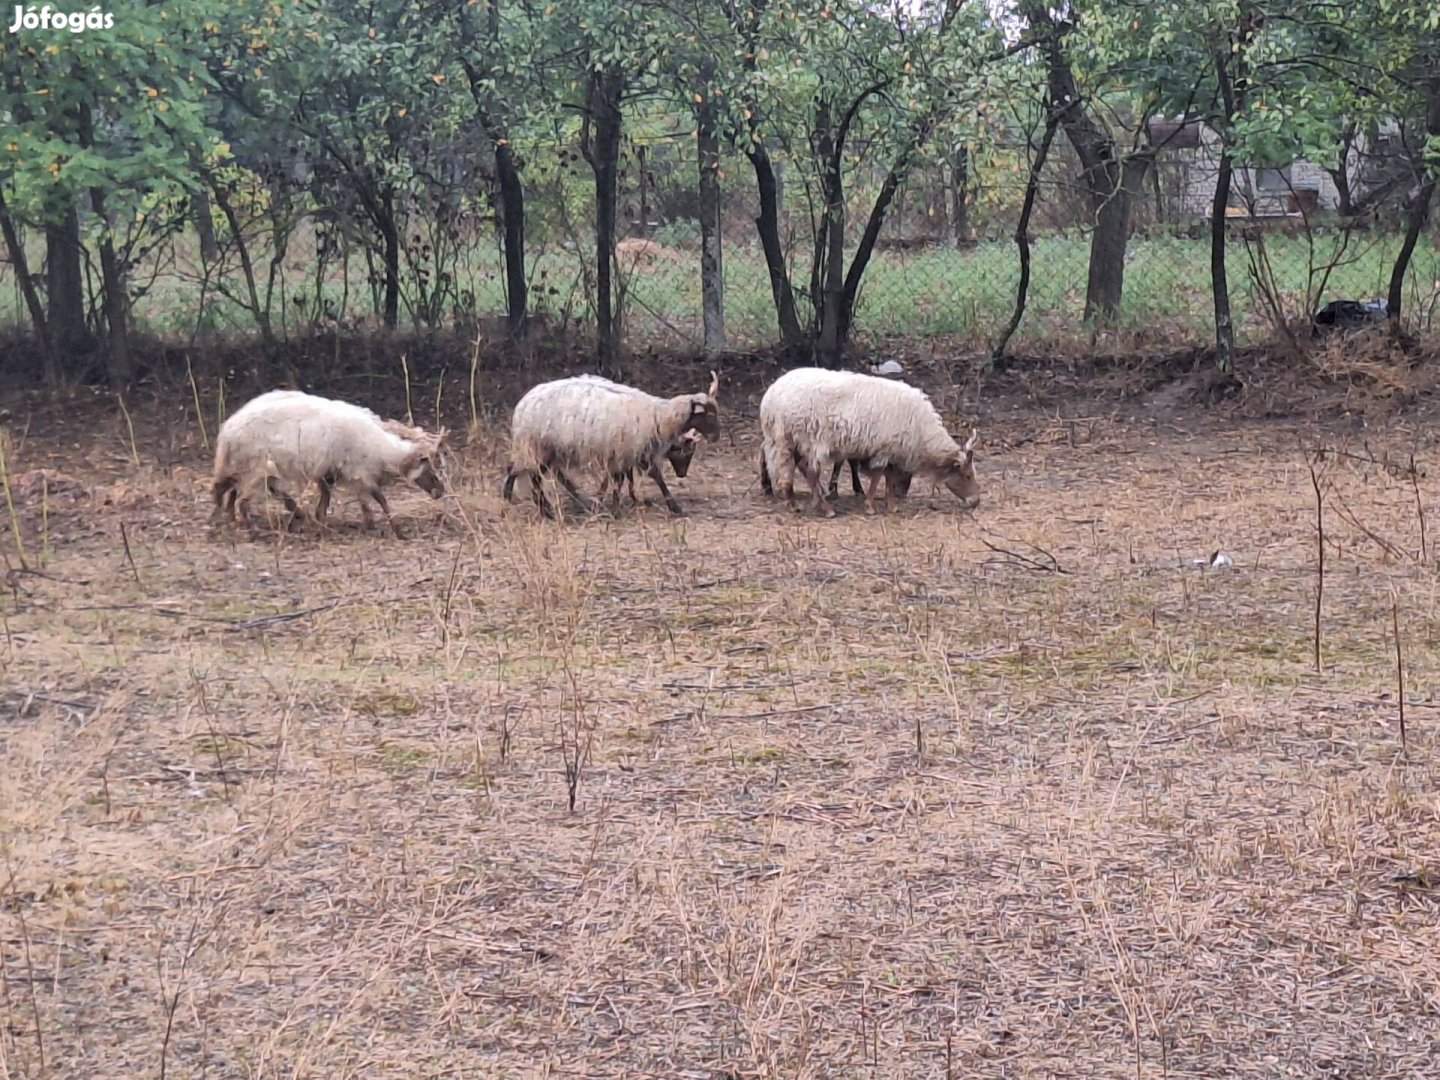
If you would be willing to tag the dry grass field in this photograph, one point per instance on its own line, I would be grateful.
(1025, 792)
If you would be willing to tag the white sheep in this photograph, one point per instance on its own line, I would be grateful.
(815, 418)
(679, 455)
(587, 422)
(285, 439)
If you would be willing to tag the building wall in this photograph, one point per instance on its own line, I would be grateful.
(1192, 173)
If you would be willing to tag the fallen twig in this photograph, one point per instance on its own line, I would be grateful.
(1047, 564)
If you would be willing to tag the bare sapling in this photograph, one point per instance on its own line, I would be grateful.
(195, 397)
(1319, 550)
(1399, 672)
(10, 508)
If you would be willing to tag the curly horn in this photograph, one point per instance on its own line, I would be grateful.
(714, 384)
(970, 444)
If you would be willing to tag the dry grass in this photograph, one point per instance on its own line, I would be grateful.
(864, 797)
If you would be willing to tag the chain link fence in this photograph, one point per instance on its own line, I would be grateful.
(944, 263)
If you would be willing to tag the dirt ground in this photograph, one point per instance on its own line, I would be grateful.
(1024, 792)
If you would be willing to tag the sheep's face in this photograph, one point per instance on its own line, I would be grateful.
(420, 471)
(681, 452)
(705, 412)
(704, 416)
(959, 474)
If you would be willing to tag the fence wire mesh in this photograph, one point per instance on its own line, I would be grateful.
(944, 263)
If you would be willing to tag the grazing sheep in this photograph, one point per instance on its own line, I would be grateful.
(679, 455)
(589, 422)
(813, 417)
(287, 439)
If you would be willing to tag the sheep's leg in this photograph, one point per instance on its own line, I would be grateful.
(379, 497)
(765, 485)
(291, 506)
(874, 475)
(612, 484)
(537, 491)
(835, 480)
(889, 497)
(855, 476)
(573, 490)
(630, 479)
(322, 504)
(783, 461)
(659, 479)
(817, 490)
(507, 492)
(575, 493)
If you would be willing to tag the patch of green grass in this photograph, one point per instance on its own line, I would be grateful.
(387, 703)
(399, 760)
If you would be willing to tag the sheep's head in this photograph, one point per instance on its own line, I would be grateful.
(682, 451)
(705, 412)
(959, 473)
(419, 468)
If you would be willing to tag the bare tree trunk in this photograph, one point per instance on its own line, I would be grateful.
(1417, 212)
(767, 226)
(65, 284)
(512, 214)
(390, 240)
(15, 248)
(1233, 86)
(889, 187)
(746, 23)
(829, 276)
(1105, 281)
(204, 226)
(116, 300)
(1112, 180)
(507, 168)
(600, 143)
(833, 290)
(712, 277)
(1022, 235)
(1345, 201)
(1219, 283)
(959, 200)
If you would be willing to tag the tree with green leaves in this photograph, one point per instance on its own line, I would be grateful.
(837, 84)
(362, 87)
(102, 133)
(493, 48)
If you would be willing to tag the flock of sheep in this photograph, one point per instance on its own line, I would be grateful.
(811, 419)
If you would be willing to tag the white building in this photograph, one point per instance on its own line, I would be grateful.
(1187, 162)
